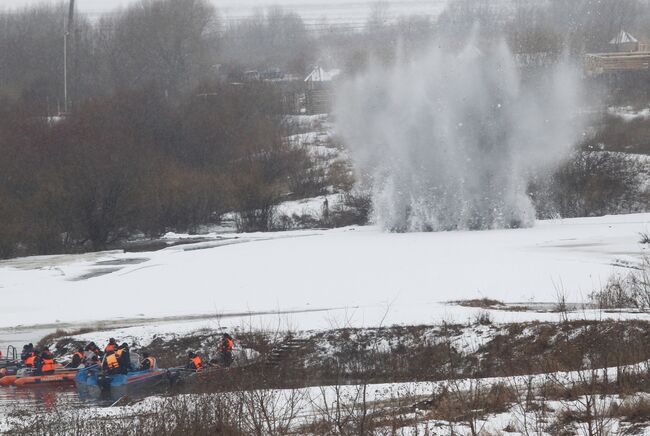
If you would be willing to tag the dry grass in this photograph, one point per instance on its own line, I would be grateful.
(634, 410)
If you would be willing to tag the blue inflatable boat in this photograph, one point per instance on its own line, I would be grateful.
(93, 382)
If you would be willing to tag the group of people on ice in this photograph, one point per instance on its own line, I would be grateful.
(116, 359)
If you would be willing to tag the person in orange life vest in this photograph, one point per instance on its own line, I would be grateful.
(195, 362)
(77, 358)
(28, 355)
(111, 364)
(148, 362)
(225, 349)
(124, 357)
(29, 358)
(112, 346)
(46, 363)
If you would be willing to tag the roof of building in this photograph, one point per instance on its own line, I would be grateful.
(623, 38)
(318, 74)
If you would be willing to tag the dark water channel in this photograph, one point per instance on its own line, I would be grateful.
(16, 402)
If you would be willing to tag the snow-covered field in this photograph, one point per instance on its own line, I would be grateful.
(358, 276)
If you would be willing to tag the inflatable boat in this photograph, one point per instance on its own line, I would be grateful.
(94, 382)
(58, 378)
(26, 377)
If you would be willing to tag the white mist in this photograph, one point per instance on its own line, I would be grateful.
(449, 140)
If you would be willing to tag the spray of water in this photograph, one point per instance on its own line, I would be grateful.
(449, 140)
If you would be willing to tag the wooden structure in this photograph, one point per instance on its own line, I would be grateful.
(627, 55)
(318, 92)
(609, 63)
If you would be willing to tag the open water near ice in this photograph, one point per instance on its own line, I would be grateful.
(14, 400)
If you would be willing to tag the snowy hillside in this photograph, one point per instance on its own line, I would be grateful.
(363, 275)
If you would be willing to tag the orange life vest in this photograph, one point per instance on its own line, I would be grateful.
(80, 355)
(196, 361)
(111, 361)
(110, 348)
(226, 347)
(152, 362)
(30, 360)
(48, 365)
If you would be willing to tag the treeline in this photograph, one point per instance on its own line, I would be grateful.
(174, 44)
(178, 44)
(134, 163)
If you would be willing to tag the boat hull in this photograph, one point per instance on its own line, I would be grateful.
(8, 380)
(93, 383)
(61, 378)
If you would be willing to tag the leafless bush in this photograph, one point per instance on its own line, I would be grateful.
(590, 184)
(529, 410)
(284, 222)
(626, 291)
(483, 318)
(634, 409)
(644, 238)
(587, 411)
(616, 294)
(355, 209)
(468, 401)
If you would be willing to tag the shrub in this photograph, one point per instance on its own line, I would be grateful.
(590, 184)
(632, 410)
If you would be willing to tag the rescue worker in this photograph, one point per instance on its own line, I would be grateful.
(93, 348)
(124, 358)
(28, 356)
(147, 362)
(225, 350)
(46, 364)
(112, 346)
(77, 358)
(28, 351)
(195, 362)
(111, 364)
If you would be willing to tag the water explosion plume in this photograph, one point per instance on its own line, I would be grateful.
(450, 140)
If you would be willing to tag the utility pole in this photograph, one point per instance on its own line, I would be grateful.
(66, 36)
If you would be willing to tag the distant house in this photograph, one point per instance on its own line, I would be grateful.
(626, 55)
(318, 93)
(623, 42)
